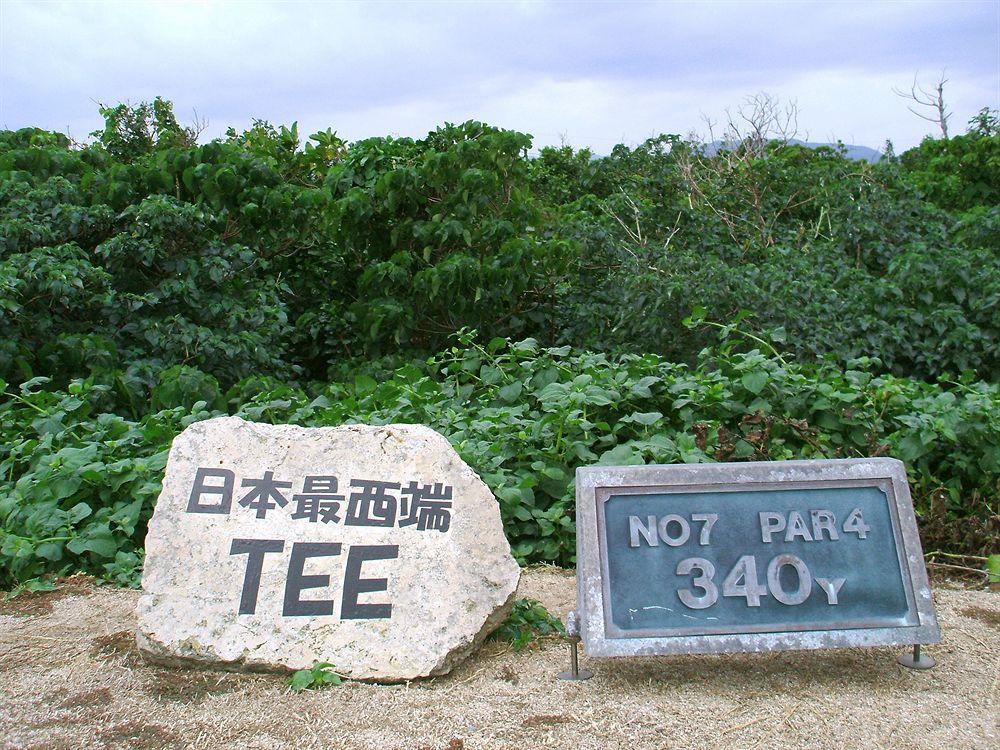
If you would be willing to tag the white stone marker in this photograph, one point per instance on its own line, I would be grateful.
(273, 546)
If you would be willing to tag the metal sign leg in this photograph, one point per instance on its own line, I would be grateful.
(916, 660)
(575, 673)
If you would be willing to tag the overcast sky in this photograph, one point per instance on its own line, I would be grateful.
(589, 74)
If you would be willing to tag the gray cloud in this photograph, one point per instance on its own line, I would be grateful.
(596, 73)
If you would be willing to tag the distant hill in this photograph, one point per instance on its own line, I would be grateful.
(857, 153)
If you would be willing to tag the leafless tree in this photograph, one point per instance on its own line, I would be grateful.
(933, 108)
(759, 120)
(722, 173)
(198, 126)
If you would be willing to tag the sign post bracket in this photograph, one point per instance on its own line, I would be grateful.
(916, 660)
(573, 633)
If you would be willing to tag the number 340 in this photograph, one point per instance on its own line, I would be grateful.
(742, 581)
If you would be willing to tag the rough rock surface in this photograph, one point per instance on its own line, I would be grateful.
(447, 588)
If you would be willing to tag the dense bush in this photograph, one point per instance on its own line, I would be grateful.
(252, 255)
(109, 266)
(961, 172)
(845, 257)
(77, 485)
(147, 281)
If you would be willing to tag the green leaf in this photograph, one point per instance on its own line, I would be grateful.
(330, 678)
(647, 418)
(993, 569)
(696, 317)
(910, 448)
(641, 387)
(511, 392)
(754, 381)
(98, 540)
(188, 178)
(363, 385)
(302, 680)
(78, 512)
(50, 551)
(621, 455)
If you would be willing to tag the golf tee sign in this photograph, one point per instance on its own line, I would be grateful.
(749, 557)
(274, 546)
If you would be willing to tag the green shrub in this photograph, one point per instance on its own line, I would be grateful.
(962, 172)
(77, 486)
(260, 255)
(319, 675)
(528, 621)
(147, 281)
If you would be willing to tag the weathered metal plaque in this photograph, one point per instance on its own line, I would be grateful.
(749, 557)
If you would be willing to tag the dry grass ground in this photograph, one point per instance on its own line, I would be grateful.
(70, 677)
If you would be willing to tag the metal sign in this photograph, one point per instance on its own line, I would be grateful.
(749, 557)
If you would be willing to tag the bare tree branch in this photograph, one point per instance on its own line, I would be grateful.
(759, 120)
(928, 100)
(198, 126)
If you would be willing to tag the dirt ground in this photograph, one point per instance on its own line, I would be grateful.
(70, 677)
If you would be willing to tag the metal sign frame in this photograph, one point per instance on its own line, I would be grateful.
(595, 484)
